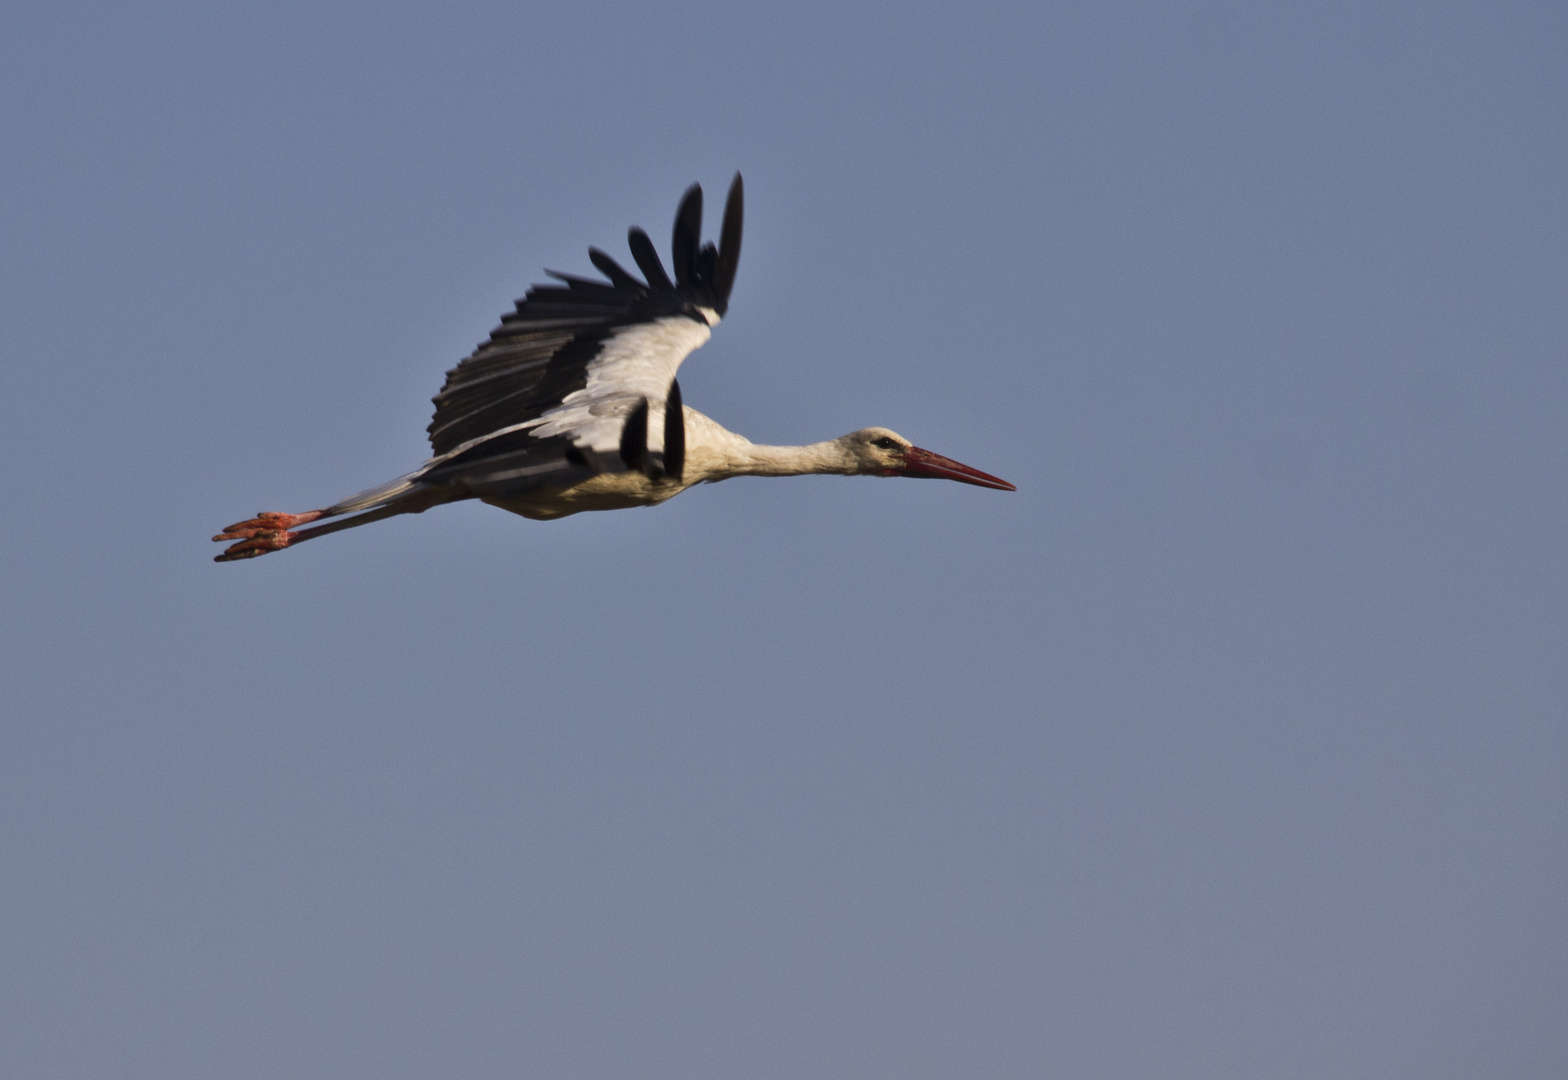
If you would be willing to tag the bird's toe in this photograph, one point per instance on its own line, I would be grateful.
(266, 521)
(254, 542)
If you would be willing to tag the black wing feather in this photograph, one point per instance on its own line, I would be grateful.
(687, 235)
(506, 462)
(729, 243)
(612, 270)
(541, 351)
(647, 257)
(634, 438)
(674, 432)
(512, 378)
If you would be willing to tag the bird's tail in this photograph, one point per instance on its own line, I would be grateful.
(380, 495)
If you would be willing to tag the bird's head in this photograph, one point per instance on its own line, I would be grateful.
(876, 451)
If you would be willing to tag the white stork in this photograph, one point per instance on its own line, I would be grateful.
(573, 405)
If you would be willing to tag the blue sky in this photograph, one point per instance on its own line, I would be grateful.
(1231, 745)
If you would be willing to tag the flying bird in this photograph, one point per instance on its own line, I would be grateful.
(572, 404)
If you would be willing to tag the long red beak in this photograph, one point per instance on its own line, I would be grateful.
(924, 463)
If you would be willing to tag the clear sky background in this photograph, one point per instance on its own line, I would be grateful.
(1233, 745)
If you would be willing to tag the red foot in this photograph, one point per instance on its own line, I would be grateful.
(267, 531)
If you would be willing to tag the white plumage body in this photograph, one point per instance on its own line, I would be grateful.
(713, 453)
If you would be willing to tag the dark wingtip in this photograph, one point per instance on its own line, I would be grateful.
(688, 234)
(729, 241)
(613, 270)
(647, 257)
(634, 438)
(707, 263)
(674, 433)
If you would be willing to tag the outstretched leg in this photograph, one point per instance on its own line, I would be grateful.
(270, 531)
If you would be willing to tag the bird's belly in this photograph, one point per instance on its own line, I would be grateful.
(606, 491)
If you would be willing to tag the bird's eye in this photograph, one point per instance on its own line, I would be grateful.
(885, 443)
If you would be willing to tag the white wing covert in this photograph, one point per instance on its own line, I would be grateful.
(635, 363)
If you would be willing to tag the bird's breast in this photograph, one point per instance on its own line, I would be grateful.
(606, 491)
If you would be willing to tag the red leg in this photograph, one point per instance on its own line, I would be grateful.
(273, 532)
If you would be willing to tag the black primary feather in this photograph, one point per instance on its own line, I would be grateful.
(729, 243)
(612, 270)
(647, 257)
(634, 438)
(687, 235)
(581, 285)
(674, 433)
(707, 259)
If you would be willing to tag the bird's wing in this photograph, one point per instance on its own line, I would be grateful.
(564, 374)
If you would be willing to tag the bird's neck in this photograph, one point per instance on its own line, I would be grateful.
(754, 459)
(713, 452)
